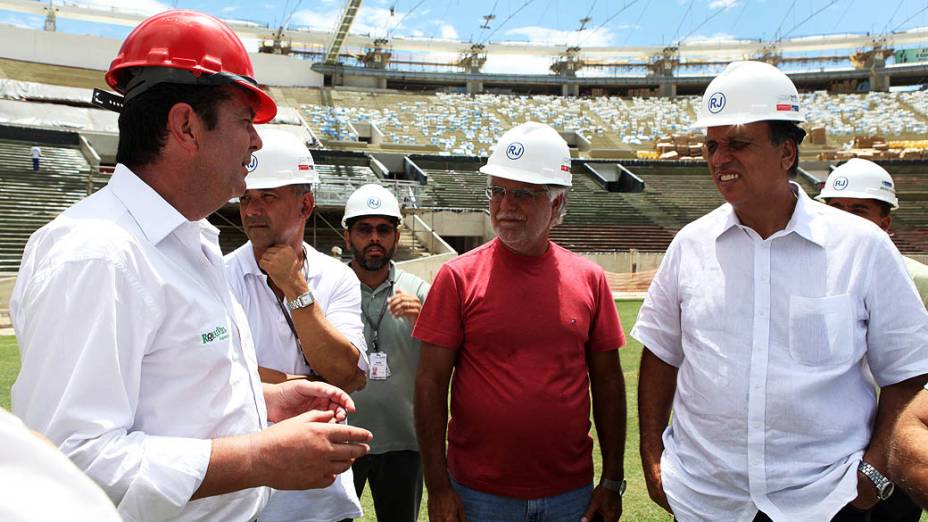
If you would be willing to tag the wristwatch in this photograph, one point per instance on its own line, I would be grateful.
(302, 301)
(616, 486)
(884, 487)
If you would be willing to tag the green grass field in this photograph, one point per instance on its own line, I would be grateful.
(637, 506)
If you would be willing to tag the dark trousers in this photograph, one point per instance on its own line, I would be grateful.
(396, 484)
(35, 164)
(897, 508)
(847, 514)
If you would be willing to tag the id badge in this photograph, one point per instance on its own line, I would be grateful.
(379, 371)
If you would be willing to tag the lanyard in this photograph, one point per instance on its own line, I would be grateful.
(375, 327)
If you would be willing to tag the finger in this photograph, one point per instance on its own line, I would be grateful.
(338, 467)
(340, 433)
(325, 391)
(347, 452)
(590, 511)
(322, 416)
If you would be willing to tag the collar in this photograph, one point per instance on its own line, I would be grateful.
(803, 221)
(154, 215)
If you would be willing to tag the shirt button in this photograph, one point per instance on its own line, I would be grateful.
(755, 461)
(762, 313)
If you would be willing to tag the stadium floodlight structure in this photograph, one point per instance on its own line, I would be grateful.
(377, 57)
(474, 59)
(344, 25)
(50, 20)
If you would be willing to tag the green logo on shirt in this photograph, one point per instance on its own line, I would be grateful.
(219, 334)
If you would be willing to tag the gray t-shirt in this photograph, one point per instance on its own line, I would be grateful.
(385, 408)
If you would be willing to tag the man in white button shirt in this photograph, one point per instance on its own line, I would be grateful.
(137, 361)
(865, 189)
(323, 338)
(759, 327)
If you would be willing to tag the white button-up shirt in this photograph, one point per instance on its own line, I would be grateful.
(772, 338)
(337, 292)
(135, 353)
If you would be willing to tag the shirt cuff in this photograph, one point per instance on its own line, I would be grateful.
(670, 357)
(171, 471)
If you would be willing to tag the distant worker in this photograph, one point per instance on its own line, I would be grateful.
(391, 301)
(336, 252)
(36, 156)
(864, 188)
(530, 332)
(303, 307)
(137, 360)
(756, 329)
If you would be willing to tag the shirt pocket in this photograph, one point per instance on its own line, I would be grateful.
(820, 330)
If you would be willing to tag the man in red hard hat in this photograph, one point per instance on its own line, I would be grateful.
(136, 358)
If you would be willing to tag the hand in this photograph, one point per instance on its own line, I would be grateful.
(608, 504)
(284, 268)
(405, 305)
(652, 479)
(866, 493)
(445, 506)
(292, 398)
(309, 450)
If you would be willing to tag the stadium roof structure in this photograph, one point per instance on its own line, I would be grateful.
(687, 50)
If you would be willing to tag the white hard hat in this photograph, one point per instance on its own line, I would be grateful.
(861, 179)
(283, 160)
(532, 153)
(747, 92)
(371, 200)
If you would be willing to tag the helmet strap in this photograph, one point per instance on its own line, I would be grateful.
(144, 78)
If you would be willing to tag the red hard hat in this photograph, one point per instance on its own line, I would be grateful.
(185, 47)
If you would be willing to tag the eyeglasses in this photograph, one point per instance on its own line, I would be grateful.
(519, 194)
(366, 229)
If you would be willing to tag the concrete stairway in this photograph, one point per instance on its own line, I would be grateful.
(28, 199)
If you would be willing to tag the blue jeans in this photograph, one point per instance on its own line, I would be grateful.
(484, 507)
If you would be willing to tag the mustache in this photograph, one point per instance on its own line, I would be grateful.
(514, 216)
(255, 221)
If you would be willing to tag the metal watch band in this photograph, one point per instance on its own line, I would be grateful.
(616, 486)
(302, 301)
(884, 487)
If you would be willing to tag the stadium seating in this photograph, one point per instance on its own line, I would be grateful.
(470, 125)
(29, 200)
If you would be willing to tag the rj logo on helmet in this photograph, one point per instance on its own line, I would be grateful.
(252, 164)
(716, 103)
(514, 151)
(373, 202)
(840, 183)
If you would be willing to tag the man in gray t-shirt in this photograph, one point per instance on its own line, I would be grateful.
(390, 304)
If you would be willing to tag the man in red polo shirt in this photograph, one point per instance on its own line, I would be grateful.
(529, 329)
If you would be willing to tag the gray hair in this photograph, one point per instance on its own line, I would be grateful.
(553, 192)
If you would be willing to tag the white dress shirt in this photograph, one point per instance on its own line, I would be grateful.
(773, 407)
(39, 483)
(135, 353)
(337, 292)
